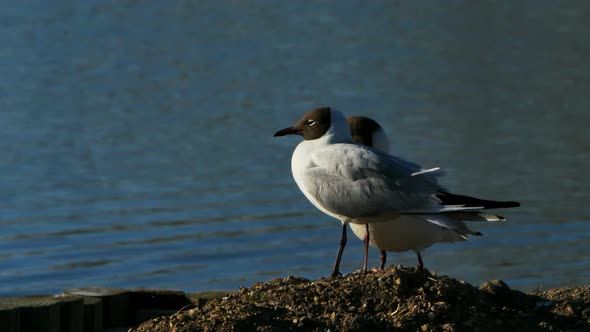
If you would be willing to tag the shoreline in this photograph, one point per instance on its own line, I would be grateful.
(398, 298)
(95, 309)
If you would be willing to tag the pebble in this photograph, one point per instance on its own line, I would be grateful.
(431, 316)
(543, 304)
(448, 327)
(425, 327)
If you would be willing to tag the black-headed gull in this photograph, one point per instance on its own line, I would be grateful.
(399, 234)
(361, 185)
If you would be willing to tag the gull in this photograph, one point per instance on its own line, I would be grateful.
(361, 185)
(417, 231)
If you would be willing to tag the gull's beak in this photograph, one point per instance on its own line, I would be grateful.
(287, 131)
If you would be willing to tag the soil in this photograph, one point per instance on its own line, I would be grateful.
(396, 299)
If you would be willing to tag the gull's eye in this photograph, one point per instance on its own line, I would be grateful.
(310, 123)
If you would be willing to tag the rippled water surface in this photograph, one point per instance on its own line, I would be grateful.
(137, 150)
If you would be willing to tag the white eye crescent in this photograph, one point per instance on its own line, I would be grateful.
(310, 123)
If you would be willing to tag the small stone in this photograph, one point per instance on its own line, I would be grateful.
(449, 327)
(352, 308)
(431, 316)
(569, 309)
(181, 317)
(398, 281)
(543, 304)
(295, 321)
(425, 327)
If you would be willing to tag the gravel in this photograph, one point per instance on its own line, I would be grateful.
(396, 299)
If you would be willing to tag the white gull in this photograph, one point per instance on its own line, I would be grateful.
(416, 231)
(358, 184)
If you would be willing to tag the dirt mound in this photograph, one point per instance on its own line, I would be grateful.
(397, 299)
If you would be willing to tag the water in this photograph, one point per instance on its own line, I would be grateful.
(137, 151)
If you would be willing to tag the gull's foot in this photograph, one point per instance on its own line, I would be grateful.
(335, 274)
(424, 271)
(362, 271)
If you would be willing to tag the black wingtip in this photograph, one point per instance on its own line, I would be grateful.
(447, 198)
(511, 204)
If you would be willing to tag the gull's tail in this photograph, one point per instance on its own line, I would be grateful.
(452, 227)
(455, 221)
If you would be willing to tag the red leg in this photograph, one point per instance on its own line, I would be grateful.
(366, 240)
(336, 270)
(420, 265)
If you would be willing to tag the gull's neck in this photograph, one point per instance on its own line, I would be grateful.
(339, 131)
(380, 140)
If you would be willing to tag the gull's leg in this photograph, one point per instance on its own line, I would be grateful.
(383, 259)
(335, 271)
(366, 240)
(420, 265)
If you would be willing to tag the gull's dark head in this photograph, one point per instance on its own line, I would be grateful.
(368, 132)
(312, 125)
(362, 129)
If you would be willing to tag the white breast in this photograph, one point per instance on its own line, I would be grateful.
(300, 162)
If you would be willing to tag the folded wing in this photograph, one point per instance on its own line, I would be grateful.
(360, 182)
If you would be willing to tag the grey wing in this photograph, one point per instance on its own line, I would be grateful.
(359, 182)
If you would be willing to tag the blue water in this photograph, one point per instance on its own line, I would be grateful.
(136, 144)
